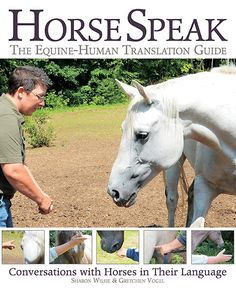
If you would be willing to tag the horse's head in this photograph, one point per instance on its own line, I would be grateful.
(32, 245)
(111, 241)
(152, 140)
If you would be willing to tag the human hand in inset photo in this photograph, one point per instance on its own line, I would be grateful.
(204, 259)
(9, 244)
(177, 243)
(131, 253)
(121, 252)
(169, 247)
(78, 238)
(220, 257)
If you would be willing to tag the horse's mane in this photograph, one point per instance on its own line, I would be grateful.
(164, 94)
(227, 69)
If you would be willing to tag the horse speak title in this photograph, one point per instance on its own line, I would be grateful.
(139, 25)
(191, 117)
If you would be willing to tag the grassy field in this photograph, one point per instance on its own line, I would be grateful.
(131, 240)
(14, 256)
(92, 121)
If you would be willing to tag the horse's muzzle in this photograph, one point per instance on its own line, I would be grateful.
(110, 248)
(120, 201)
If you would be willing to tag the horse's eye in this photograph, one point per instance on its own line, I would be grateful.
(142, 135)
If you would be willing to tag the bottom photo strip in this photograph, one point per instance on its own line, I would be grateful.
(108, 259)
(108, 246)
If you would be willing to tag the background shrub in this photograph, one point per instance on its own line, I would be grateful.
(56, 100)
(38, 132)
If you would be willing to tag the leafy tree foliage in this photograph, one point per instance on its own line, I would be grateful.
(92, 81)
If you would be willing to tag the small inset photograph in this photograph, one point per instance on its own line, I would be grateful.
(70, 247)
(212, 247)
(23, 247)
(164, 247)
(117, 247)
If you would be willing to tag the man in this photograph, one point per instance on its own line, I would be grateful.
(26, 91)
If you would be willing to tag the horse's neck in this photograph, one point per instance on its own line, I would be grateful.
(207, 108)
(209, 127)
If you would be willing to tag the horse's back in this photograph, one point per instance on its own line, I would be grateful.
(218, 85)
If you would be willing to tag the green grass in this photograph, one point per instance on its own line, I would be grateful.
(84, 107)
(131, 240)
(91, 121)
(209, 248)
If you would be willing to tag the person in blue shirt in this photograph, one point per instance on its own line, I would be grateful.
(131, 253)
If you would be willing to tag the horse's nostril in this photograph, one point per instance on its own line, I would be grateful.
(115, 194)
(115, 247)
(134, 176)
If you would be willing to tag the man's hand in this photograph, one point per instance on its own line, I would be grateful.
(46, 205)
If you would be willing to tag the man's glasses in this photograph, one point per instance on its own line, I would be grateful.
(41, 98)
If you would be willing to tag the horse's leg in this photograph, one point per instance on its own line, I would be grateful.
(150, 240)
(172, 176)
(190, 205)
(204, 193)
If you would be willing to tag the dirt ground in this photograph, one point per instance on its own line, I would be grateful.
(8, 259)
(75, 175)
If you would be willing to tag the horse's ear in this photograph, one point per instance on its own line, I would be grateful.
(127, 89)
(142, 92)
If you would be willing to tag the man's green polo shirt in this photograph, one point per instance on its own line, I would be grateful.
(12, 147)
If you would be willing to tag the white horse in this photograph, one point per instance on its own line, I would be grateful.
(33, 247)
(161, 118)
(153, 238)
